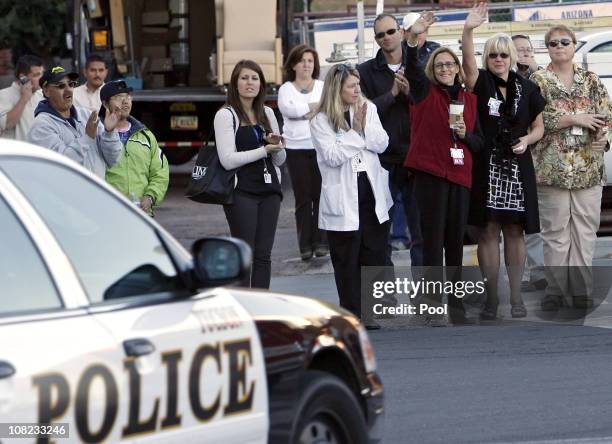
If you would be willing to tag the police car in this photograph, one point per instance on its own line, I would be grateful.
(111, 331)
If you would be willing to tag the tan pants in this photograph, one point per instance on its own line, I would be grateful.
(569, 220)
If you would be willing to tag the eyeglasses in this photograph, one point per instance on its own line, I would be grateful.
(63, 85)
(555, 43)
(380, 35)
(503, 55)
(447, 65)
(527, 50)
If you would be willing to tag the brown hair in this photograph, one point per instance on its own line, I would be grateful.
(429, 68)
(233, 98)
(559, 28)
(295, 57)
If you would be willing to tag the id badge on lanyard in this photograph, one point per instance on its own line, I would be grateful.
(494, 104)
(457, 155)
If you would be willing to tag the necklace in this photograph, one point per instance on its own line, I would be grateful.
(307, 89)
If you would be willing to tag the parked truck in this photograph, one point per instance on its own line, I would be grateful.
(178, 54)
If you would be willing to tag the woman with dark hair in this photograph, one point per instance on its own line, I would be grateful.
(297, 97)
(248, 139)
(441, 157)
(504, 196)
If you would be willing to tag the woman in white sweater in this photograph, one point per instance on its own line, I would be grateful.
(355, 197)
(248, 139)
(297, 97)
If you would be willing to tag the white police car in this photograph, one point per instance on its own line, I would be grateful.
(109, 325)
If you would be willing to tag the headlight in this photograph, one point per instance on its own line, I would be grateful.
(367, 351)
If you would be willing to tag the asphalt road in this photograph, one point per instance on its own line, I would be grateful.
(528, 381)
(538, 380)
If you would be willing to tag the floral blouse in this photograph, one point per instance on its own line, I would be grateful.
(563, 159)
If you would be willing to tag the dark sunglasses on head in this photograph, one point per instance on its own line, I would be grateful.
(380, 35)
(555, 43)
(71, 84)
(503, 55)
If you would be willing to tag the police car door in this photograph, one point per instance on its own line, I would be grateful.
(189, 367)
(50, 348)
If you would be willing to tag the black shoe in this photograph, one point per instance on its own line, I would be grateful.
(306, 255)
(582, 302)
(551, 302)
(461, 320)
(371, 325)
(321, 251)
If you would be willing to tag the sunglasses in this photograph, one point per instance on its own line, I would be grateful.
(380, 35)
(503, 55)
(555, 43)
(62, 86)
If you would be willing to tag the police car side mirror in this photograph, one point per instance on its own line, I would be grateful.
(221, 261)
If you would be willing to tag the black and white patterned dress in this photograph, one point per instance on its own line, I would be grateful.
(503, 185)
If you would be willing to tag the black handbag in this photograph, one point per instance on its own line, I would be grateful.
(210, 182)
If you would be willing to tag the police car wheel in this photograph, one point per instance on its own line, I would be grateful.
(328, 412)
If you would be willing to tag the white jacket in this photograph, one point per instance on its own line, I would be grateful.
(339, 204)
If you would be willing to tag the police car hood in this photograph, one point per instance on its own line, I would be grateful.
(263, 305)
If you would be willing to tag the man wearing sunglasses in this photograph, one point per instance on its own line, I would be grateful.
(73, 131)
(383, 82)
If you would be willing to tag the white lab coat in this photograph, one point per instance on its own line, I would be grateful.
(339, 204)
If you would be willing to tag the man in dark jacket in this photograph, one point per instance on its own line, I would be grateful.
(383, 82)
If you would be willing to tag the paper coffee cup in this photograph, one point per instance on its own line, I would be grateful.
(455, 113)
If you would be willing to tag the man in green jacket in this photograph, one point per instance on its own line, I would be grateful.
(142, 174)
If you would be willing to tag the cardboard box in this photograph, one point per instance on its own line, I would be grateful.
(156, 5)
(153, 18)
(155, 81)
(160, 65)
(154, 52)
(154, 36)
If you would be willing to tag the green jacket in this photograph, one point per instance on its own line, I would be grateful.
(143, 168)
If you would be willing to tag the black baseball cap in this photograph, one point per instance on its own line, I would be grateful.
(111, 89)
(55, 74)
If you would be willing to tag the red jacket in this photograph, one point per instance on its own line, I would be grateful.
(431, 138)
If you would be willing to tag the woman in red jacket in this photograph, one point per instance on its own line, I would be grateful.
(440, 157)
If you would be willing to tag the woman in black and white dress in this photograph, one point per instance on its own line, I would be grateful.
(504, 196)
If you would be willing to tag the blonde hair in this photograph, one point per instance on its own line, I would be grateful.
(430, 70)
(499, 43)
(561, 29)
(331, 101)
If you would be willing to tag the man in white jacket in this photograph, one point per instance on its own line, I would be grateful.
(72, 131)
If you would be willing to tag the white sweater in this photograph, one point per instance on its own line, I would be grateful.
(225, 139)
(294, 105)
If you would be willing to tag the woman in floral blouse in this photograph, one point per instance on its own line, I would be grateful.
(570, 169)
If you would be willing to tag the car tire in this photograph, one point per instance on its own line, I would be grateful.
(327, 412)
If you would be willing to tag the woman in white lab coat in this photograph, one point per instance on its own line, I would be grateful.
(355, 198)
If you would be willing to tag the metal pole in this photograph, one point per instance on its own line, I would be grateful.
(360, 34)
(380, 6)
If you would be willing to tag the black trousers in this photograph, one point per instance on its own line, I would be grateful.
(350, 250)
(444, 208)
(306, 183)
(253, 219)
(399, 182)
